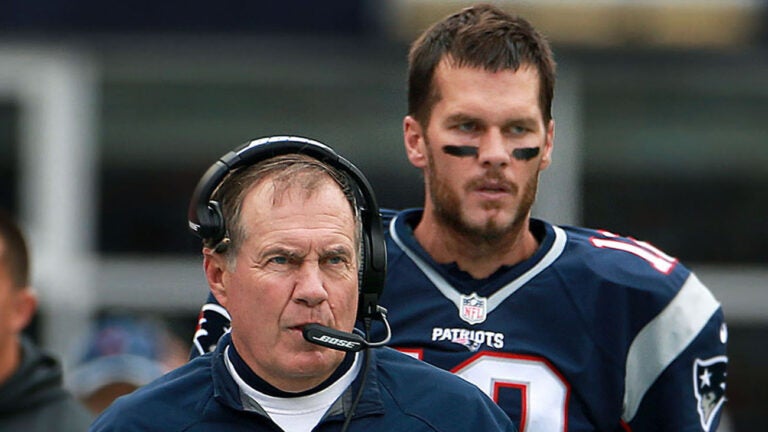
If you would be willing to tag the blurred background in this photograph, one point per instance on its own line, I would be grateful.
(111, 111)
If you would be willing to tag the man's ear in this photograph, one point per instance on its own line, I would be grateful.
(546, 158)
(413, 138)
(215, 266)
(25, 305)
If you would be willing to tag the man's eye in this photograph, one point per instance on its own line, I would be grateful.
(278, 260)
(522, 129)
(467, 127)
(336, 260)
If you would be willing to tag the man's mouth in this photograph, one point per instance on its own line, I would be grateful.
(300, 327)
(492, 187)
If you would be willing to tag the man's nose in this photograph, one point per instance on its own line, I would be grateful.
(493, 150)
(309, 288)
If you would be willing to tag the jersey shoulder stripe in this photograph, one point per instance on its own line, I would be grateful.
(662, 340)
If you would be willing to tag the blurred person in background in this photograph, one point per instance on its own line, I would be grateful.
(567, 328)
(32, 397)
(122, 353)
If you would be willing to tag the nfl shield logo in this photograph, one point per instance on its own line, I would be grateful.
(473, 308)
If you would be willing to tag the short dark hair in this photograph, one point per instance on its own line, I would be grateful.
(13, 250)
(481, 36)
(284, 171)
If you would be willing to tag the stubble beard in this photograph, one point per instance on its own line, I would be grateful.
(448, 211)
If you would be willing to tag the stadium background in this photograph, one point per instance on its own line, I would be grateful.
(109, 113)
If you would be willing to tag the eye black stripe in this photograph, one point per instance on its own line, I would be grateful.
(525, 153)
(522, 154)
(460, 151)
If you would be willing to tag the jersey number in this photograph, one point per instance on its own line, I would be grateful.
(544, 392)
(656, 258)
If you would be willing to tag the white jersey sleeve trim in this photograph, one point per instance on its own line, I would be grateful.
(660, 342)
(201, 332)
(218, 309)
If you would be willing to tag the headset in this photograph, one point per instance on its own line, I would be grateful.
(207, 222)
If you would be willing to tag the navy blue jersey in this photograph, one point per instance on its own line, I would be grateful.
(399, 394)
(594, 332)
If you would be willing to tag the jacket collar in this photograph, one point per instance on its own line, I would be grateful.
(227, 392)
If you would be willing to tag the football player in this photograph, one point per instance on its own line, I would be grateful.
(566, 328)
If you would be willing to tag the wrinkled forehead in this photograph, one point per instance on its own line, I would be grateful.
(280, 188)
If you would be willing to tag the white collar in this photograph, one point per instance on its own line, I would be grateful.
(296, 414)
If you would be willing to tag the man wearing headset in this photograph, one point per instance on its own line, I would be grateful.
(568, 329)
(286, 237)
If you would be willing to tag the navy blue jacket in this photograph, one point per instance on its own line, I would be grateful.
(32, 399)
(400, 394)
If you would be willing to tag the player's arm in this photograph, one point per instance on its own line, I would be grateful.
(213, 323)
(689, 393)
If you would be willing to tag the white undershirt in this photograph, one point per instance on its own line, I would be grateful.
(297, 414)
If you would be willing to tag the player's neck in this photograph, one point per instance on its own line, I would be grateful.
(478, 258)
